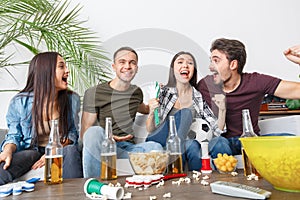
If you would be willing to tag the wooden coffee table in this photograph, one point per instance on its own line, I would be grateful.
(73, 189)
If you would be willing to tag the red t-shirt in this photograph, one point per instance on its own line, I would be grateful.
(248, 95)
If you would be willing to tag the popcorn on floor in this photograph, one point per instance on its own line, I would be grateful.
(204, 182)
(152, 197)
(234, 173)
(167, 195)
(252, 177)
(127, 195)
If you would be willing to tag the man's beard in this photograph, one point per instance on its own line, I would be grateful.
(221, 82)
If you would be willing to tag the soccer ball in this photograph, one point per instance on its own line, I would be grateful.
(200, 130)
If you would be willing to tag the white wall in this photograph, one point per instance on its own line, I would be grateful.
(160, 28)
(267, 27)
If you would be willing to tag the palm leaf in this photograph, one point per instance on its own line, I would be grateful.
(40, 25)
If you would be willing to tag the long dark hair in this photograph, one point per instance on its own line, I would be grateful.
(41, 81)
(172, 79)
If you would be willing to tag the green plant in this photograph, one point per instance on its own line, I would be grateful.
(40, 25)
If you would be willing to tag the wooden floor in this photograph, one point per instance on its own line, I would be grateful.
(73, 189)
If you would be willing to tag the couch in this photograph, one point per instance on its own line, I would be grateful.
(289, 124)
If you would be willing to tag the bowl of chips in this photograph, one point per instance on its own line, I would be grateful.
(277, 159)
(154, 162)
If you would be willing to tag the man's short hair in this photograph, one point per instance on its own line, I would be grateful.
(125, 49)
(234, 50)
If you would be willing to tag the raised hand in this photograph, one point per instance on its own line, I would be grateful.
(293, 54)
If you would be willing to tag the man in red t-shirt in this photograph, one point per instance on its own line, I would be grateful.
(242, 90)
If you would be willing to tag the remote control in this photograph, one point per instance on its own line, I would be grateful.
(239, 190)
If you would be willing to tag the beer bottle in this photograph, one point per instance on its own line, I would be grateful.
(108, 153)
(174, 147)
(53, 156)
(247, 132)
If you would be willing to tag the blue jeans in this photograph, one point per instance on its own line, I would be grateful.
(191, 148)
(72, 163)
(22, 162)
(92, 140)
(232, 146)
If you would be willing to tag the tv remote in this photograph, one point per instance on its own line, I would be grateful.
(239, 190)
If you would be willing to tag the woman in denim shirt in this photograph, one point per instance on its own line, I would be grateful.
(45, 97)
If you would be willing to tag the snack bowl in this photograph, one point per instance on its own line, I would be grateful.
(154, 162)
(225, 164)
(277, 160)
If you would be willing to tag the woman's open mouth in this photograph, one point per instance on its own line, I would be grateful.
(65, 79)
(184, 73)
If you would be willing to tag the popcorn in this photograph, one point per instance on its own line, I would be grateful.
(118, 184)
(205, 183)
(127, 195)
(234, 173)
(187, 180)
(195, 176)
(152, 198)
(110, 185)
(176, 183)
(167, 195)
(252, 177)
(205, 177)
(161, 183)
(196, 173)
(95, 196)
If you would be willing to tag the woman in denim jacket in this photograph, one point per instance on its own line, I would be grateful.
(45, 97)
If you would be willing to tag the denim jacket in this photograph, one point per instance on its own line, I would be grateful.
(19, 120)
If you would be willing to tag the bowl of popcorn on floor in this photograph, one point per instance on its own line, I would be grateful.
(154, 162)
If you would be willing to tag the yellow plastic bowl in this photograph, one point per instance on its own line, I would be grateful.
(277, 159)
